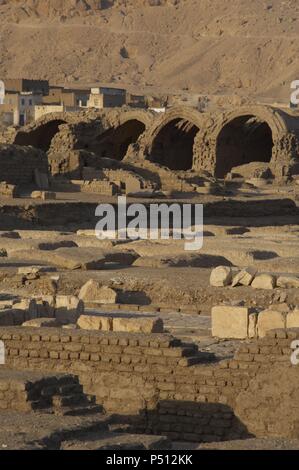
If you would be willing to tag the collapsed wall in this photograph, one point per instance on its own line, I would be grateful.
(18, 164)
(160, 385)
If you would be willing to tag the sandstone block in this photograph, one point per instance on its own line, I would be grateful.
(252, 325)
(68, 308)
(138, 325)
(293, 319)
(270, 320)
(244, 277)
(230, 322)
(264, 281)
(92, 291)
(221, 276)
(287, 282)
(94, 322)
(41, 322)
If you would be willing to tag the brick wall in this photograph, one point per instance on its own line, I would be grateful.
(157, 383)
(17, 164)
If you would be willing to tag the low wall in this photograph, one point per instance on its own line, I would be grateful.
(153, 380)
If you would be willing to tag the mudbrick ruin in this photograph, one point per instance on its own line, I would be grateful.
(140, 344)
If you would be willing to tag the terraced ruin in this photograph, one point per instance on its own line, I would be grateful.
(140, 343)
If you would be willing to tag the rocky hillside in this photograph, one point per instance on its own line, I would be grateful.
(208, 46)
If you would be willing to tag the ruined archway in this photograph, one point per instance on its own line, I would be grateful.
(115, 142)
(242, 140)
(173, 144)
(40, 137)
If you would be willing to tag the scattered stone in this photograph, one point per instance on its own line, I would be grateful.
(244, 277)
(92, 291)
(221, 276)
(288, 282)
(264, 281)
(230, 322)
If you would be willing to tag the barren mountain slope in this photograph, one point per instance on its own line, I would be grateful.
(229, 46)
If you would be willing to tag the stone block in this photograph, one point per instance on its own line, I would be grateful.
(230, 322)
(138, 325)
(252, 325)
(94, 322)
(293, 319)
(68, 308)
(270, 320)
(92, 291)
(221, 276)
(264, 281)
(41, 322)
(288, 282)
(244, 277)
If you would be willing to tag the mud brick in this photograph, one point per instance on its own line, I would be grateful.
(55, 347)
(45, 337)
(4, 385)
(113, 341)
(156, 360)
(76, 339)
(5, 336)
(233, 364)
(281, 334)
(142, 369)
(152, 352)
(35, 338)
(126, 359)
(292, 334)
(144, 342)
(115, 359)
(93, 348)
(55, 338)
(74, 355)
(211, 382)
(124, 367)
(13, 352)
(173, 352)
(188, 361)
(114, 349)
(133, 351)
(85, 339)
(84, 356)
(24, 337)
(123, 342)
(64, 355)
(54, 355)
(253, 349)
(260, 358)
(73, 347)
(103, 341)
(244, 357)
(24, 353)
(95, 357)
(33, 353)
(224, 364)
(65, 339)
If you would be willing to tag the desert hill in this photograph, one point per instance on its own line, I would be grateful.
(206, 46)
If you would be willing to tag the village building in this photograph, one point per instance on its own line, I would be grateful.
(104, 97)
